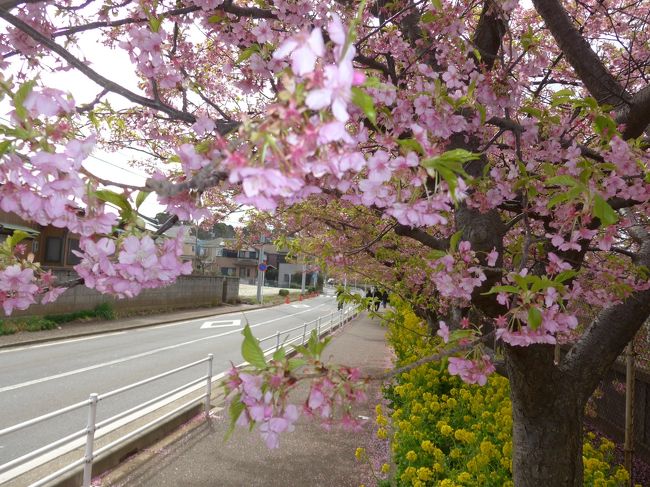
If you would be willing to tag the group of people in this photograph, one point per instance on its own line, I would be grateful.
(378, 297)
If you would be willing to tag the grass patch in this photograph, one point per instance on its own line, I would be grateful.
(103, 311)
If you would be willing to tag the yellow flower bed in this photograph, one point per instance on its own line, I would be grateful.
(449, 434)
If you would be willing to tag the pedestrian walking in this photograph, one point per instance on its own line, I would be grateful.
(377, 299)
(384, 298)
(368, 296)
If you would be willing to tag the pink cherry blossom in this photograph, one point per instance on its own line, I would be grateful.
(304, 49)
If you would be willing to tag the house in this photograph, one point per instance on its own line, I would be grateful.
(51, 246)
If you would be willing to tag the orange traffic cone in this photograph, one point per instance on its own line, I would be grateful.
(286, 300)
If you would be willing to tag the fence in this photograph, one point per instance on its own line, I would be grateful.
(299, 334)
(609, 408)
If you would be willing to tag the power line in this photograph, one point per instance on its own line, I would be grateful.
(6, 120)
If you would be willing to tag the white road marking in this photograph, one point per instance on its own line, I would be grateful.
(221, 324)
(60, 342)
(300, 306)
(140, 355)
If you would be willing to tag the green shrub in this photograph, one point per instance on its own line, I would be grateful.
(283, 292)
(105, 311)
(446, 433)
(102, 311)
(7, 329)
(34, 323)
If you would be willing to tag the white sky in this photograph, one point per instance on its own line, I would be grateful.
(115, 66)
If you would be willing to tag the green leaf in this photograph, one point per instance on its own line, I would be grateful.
(247, 53)
(154, 23)
(20, 97)
(142, 195)
(279, 354)
(603, 211)
(565, 276)
(563, 180)
(455, 240)
(565, 196)
(4, 146)
(502, 289)
(17, 237)
(116, 199)
(605, 126)
(410, 145)
(534, 318)
(295, 363)
(251, 350)
(364, 101)
(234, 411)
(428, 17)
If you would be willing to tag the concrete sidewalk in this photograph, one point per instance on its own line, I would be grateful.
(197, 456)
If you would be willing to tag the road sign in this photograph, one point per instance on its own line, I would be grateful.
(221, 324)
(262, 267)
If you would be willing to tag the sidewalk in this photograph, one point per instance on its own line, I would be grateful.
(196, 455)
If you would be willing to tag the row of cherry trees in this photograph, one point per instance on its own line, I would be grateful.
(489, 159)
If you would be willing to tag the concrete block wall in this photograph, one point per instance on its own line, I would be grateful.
(231, 285)
(186, 292)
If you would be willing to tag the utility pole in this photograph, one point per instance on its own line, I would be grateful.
(304, 277)
(260, 274)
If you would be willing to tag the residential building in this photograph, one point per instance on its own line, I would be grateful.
(51, 246)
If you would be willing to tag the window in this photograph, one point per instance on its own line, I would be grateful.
(230, 253)
(53, 249)
(72, 259)
(286, 277)
(228, 271)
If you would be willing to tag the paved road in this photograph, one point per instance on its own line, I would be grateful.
(41, 378)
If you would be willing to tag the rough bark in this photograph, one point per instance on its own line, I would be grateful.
(547, 418)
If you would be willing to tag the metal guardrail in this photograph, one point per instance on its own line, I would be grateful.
(322, 325)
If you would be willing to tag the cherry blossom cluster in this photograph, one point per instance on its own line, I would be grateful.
(472, 371)
(456, 276)
(263, 408)
(145, 49)
(126, 266)
(259, 394)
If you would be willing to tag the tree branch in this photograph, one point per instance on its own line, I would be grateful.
(608, 335)
(222, 126)
(422, 237)
(586, 63)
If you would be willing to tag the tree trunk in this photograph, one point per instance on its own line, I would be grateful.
(547, 416)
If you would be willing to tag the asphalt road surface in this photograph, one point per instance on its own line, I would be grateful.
(41, 378)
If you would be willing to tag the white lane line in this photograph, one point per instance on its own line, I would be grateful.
(140, 355)
(60, 342)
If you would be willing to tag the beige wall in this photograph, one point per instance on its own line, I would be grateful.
(186, 292)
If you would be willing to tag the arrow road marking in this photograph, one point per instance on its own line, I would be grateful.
(221, 324)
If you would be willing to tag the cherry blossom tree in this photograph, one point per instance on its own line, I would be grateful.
(488, 158)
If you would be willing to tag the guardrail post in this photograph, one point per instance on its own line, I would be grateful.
(304, 333)
(208, 386)
(277, 340)
(331, 320)
(318, 327)
(90, 440)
